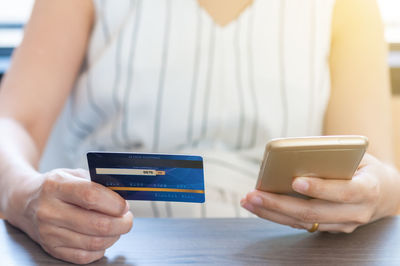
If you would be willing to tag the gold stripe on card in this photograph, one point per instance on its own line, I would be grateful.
(157, 189)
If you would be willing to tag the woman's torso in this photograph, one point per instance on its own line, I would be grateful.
(161, 76)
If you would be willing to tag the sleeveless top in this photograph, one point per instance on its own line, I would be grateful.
(161, 76)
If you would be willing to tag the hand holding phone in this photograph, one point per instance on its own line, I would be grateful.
(330, 157)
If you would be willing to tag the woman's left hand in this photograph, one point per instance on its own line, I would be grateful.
(337, 205)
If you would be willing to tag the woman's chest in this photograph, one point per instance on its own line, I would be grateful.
(168, 61)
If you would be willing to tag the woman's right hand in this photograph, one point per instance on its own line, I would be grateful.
(72, 218)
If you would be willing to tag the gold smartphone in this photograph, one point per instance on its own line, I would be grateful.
(329, 157)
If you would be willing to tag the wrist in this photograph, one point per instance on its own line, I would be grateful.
(390, 192)
(18, 196)
(396, 178)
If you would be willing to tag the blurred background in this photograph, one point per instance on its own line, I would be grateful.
(13, 15)
(391, 15)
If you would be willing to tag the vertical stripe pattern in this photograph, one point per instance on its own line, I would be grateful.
(130, 76)
(239, 84)
(163, 70)
(312, 65)
(250, 64)
(161, 76)
(104, 23)
(195, 77)
(281, 40)
(209, 78)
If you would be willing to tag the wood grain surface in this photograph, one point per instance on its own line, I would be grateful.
(225, 242)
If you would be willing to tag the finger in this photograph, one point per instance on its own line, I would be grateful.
(359, 189)
(78, 172)
(61, 237)
(77, 256)
(274, 216)
(336, 228)
(309, 211)
(292, 222)
(88, 222)
(91, 196)
(367, 160)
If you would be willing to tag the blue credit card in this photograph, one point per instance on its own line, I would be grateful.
(155, 177)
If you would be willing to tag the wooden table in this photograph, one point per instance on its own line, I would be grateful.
(225, 242)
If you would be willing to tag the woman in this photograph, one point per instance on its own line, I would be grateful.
(215, 78)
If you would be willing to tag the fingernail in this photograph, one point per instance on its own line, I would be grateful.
(296, 226)
(300, 185)
(256, 201)
(248, 207)
(126, 207)
(242, 201)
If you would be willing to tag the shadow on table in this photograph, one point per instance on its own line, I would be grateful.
(29, 252)
(377, 243)
(119, 260)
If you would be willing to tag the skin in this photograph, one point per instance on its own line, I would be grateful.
(360, 103)
(60, 209)
(396, 127)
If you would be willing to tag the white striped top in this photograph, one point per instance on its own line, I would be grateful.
(161, 76)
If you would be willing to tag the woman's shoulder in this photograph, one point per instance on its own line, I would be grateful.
(109, 19)
(112, 14)
(356, 16)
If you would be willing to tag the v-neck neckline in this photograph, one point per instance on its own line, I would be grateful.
(223, 12)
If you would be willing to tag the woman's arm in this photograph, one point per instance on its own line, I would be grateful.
(61, 210)
(359, 104)
(360, 101)
(361, 90)
(396, 128)
(45, 66)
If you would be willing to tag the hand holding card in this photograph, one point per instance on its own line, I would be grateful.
(154, 177)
